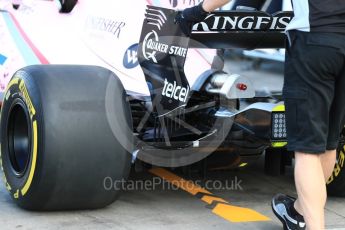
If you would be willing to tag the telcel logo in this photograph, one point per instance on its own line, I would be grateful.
(172, 90)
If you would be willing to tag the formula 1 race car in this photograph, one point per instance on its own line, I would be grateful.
(96, 88)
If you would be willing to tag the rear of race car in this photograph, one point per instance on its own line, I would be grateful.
(214, 113)
(162, 99)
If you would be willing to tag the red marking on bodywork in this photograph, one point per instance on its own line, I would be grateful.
(39, 55)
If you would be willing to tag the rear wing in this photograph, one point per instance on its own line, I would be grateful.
(241, 29)
(163, 47)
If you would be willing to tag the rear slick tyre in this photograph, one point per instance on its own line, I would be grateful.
(58, 146)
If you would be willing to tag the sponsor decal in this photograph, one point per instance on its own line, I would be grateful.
(237, 22)
(156, 18)
(173, 91)
(105, 25)
(151, 46)
(27, 99)
(130, 59)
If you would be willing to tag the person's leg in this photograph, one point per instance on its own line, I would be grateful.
(308, 95)
(336, 118)
(328, 160)
(311, 189)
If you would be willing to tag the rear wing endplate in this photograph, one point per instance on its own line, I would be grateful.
(163, 47)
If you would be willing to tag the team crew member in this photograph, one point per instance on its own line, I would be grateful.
(314, 97)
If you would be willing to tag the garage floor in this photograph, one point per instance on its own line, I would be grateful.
(245, 204)
(165, 207)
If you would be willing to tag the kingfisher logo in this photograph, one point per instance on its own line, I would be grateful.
(236, 22)
(173, 91)
(130, 59)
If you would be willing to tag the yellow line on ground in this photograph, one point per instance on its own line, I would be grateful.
(211, 199)
(238, 214)
(181, 183)
(223, 208)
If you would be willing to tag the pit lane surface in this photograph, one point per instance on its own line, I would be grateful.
(166, 207)
(152, 203)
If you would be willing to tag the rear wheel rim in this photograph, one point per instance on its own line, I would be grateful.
(19, 138)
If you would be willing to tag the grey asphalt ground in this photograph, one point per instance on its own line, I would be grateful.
(172, 209)
(163, 208)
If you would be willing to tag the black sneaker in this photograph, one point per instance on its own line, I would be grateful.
(282, 206)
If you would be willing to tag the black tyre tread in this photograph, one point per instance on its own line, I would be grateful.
(77, 148)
